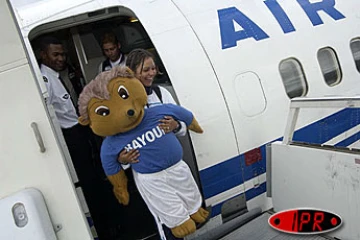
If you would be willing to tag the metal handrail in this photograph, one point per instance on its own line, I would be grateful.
(323, 102)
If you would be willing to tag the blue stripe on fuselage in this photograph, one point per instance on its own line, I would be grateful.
(250, 194)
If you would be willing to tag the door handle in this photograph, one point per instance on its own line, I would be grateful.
(38, 137)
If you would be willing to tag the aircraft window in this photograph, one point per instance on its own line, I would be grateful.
(355, 49)
(329, 66)
(293, 78)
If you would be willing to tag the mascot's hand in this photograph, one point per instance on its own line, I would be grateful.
(119, 181)
(194, 126)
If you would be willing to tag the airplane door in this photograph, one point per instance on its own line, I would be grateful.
(30, 156)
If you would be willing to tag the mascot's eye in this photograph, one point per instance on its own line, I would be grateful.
(102, 111)
(123, 92)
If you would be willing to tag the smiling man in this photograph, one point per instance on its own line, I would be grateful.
(53, 61)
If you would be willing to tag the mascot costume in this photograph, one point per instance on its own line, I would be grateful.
(113, 105)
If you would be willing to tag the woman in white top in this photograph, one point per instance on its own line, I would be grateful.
(142, 63)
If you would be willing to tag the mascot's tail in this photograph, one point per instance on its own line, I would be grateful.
(194, 126)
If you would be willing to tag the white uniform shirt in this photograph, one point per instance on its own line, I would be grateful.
(166, 96)
(116, 63)
(59, 98)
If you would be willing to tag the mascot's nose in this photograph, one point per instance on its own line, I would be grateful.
(130, 113)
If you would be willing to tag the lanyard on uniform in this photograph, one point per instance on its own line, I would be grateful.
(68, 91)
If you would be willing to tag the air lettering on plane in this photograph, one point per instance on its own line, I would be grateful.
(229, 16)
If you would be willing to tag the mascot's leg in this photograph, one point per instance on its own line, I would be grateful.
(119, 182)
(200, 216)
(184, 229)
(158, 192)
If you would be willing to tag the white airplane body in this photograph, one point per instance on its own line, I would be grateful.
(232, 63)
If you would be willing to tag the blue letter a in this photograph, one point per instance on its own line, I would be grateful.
(229, 36)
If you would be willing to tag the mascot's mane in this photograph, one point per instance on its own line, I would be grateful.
(97, 88)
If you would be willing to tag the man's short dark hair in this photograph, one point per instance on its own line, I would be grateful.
(109, 37)
(47, 40)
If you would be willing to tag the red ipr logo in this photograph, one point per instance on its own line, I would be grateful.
(305, 221)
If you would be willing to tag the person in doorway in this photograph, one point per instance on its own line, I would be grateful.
(111, 49)
(142, 63)
(62, 96)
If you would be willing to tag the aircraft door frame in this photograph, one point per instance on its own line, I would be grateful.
(23, 163)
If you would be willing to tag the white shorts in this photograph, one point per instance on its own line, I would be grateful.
(171, 194)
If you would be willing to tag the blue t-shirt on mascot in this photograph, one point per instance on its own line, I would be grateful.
(162, 150)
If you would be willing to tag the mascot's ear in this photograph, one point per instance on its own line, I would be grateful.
(124, 72)
(194, 126)
(83, 121)
(129, 71)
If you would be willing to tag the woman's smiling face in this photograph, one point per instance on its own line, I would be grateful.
(146, 72)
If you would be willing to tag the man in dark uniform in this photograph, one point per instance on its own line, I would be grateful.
(111, 49)
(63, 91)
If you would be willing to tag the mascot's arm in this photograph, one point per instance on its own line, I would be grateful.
(119, 182)
(184, 115)
(167, 98)
(114, 171)
(194, 126)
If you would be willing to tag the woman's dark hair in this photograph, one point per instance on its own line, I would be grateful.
(136, 58)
